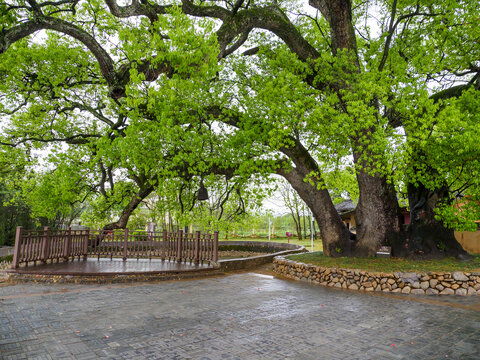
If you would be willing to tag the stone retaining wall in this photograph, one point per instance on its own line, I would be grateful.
(429, 283)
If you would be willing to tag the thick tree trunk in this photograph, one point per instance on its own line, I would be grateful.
(377, 214)
(335, 235)
(427, 237)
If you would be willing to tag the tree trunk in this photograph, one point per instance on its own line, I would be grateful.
(136, 200)
(298, 223)
(427, 237)
(335, 235)
(377, 215)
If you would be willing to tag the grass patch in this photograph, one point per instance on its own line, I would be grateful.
(389, 265)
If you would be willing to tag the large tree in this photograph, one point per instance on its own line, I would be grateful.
(151, 90)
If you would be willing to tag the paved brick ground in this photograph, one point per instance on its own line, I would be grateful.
(241, 316)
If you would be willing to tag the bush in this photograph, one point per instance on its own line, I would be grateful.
(8, 258)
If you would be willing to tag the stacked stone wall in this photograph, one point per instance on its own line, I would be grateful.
(429, 283)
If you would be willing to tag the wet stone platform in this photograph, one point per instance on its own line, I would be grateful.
(107, 266)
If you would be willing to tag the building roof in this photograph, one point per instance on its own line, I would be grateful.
(345, 207)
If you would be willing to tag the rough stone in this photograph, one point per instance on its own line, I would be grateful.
(447, 291)
(433, 283)
(471, 291)
(418, 292)
(440, 287)
(446, 284)
(353, 287)
(415, 285)
(397, 290)
(406, 290)
(391, 281)
(424, 285)
(430, 291)
(455, 286)
(459, 276)
(461, 292)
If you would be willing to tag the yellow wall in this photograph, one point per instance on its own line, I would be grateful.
(469, 240)
(350, 218)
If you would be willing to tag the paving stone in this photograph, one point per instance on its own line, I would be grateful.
(241, 316)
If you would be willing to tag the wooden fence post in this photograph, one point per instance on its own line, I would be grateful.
(45, 244)
(197, 247)
(215, 246)
(179, 246)
(164, 245)
(16, 251)
(85, 243)
(67, 243)
(125, 244)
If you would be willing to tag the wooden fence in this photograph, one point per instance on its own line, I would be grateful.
(54, 245)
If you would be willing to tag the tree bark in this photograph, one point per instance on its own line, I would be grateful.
(136, 200)
(377, 215)
(334, 233)
(427, 237)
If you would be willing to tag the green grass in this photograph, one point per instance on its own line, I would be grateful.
(389, 265)
(8, 258)
(317, 244)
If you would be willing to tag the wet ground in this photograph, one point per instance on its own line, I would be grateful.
(238, 316)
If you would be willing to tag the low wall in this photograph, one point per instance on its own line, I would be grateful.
(271, 249)
(6, 250)
(469, 240)
(429, 283)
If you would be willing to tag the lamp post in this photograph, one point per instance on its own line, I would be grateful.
(311, 228)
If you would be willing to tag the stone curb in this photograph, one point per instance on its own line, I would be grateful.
(110, 279)
(255, 261)
(425, 283)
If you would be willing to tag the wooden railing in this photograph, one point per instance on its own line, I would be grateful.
(54, 245)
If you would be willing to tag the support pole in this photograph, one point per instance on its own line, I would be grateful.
(164, 243)
(215, 247)
(85, 243)
(125, 244)
(179, 245)
(311, 229)
(16, 252)
(197, 247)
(67, 243)
(45, 244)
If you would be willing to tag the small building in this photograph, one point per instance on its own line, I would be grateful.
(346, 210)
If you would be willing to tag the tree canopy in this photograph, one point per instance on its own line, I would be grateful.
(106, 101)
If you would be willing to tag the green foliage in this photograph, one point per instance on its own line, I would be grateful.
(373, 109)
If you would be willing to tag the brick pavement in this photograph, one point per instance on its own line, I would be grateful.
(240, 316)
